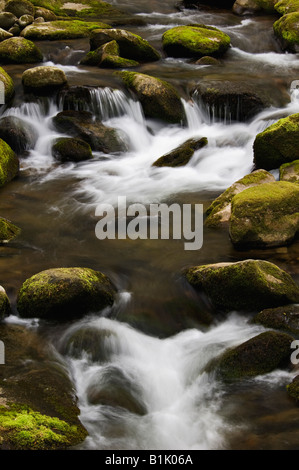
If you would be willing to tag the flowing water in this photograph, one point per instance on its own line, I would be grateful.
(149, 351)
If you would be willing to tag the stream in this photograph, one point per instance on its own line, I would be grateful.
(152, 349)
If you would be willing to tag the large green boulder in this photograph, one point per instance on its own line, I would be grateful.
(277, 144)
(61, 29)
(219, 212)
(287, 32)
(19, 50)
(159, 99)
(259, 355)
(265, 216)
(9, 88)
(195, 41)
(108, 56)
(9, 163)
(245, 285)
(287, 6)
(65, 293)
(131, 46)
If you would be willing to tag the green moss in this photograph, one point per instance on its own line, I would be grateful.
(195, 41)
(286, 30)
(9, 164)
(112, 61)
(24, 429)
(61, 29)
(290, 172)
(94, 8)
(287, 6)
(8, 85)
(281, 318)
(8, 231)
(20, 51)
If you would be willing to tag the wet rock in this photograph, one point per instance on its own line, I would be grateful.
(44, 13)
(211, 3)
(9, 163)
(259, 355)
(158, 98)
(195, 41)
(34, 389)
(4, 34)
(251, 7)
(245, 285)
(60, 29)
(40, 19)
(182, 154)
(7, 20)
(71, 150)
(131, 46)
(219, 212)
(278, 144)
(281, 318)
(18, 134)
(108, 56)
(15, 30)
(113, 388)
(207, 60)
(8, 231)
(293, 389)
(65, 293)
(266, 215)
(19, 51)
(25, 20)
(9, 88)
(45, 78)
(80, 124)
(19, 7)
(289, 172)
(5, 307)
(286, 32)
(74, 98)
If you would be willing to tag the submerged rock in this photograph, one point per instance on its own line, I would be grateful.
(182, 154)
(281, 318)
(266, 215)
(259, 355)
(80, 124)
(289, 172)
(219, 212)
(8, 231)
(18, 134)
(19, 51)
(43, 78)
(286, 32)
(158, 98)
(277, 144)
(131, 46)
(195, 41)
(71, 150)
(9, 163)
(245, 285)
(65, 293)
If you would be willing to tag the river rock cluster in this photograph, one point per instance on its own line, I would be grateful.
(257, 211)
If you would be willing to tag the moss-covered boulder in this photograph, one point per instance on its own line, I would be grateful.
(195, 41)
(219, 212)
(20, 135)
(131, 46)
(25, 20)
(9, 163)
(287, 33)
(277, 144)
(44, 78)
(19, 7)
(71, 150)
(7, 20)
(9, 88)
(259, 355)
(280, 318)
(39, 409)
(80, 124)
(287, 6)
(289, 172)
(181, 155)
(5, 307)
(158, 98)
(108, 56)
(65, 293)
(266, 215)
(19, 51)
(293, 389)
(251, 7)
(61, 29)
(8, 231)
(245, 285)
(44, 13)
